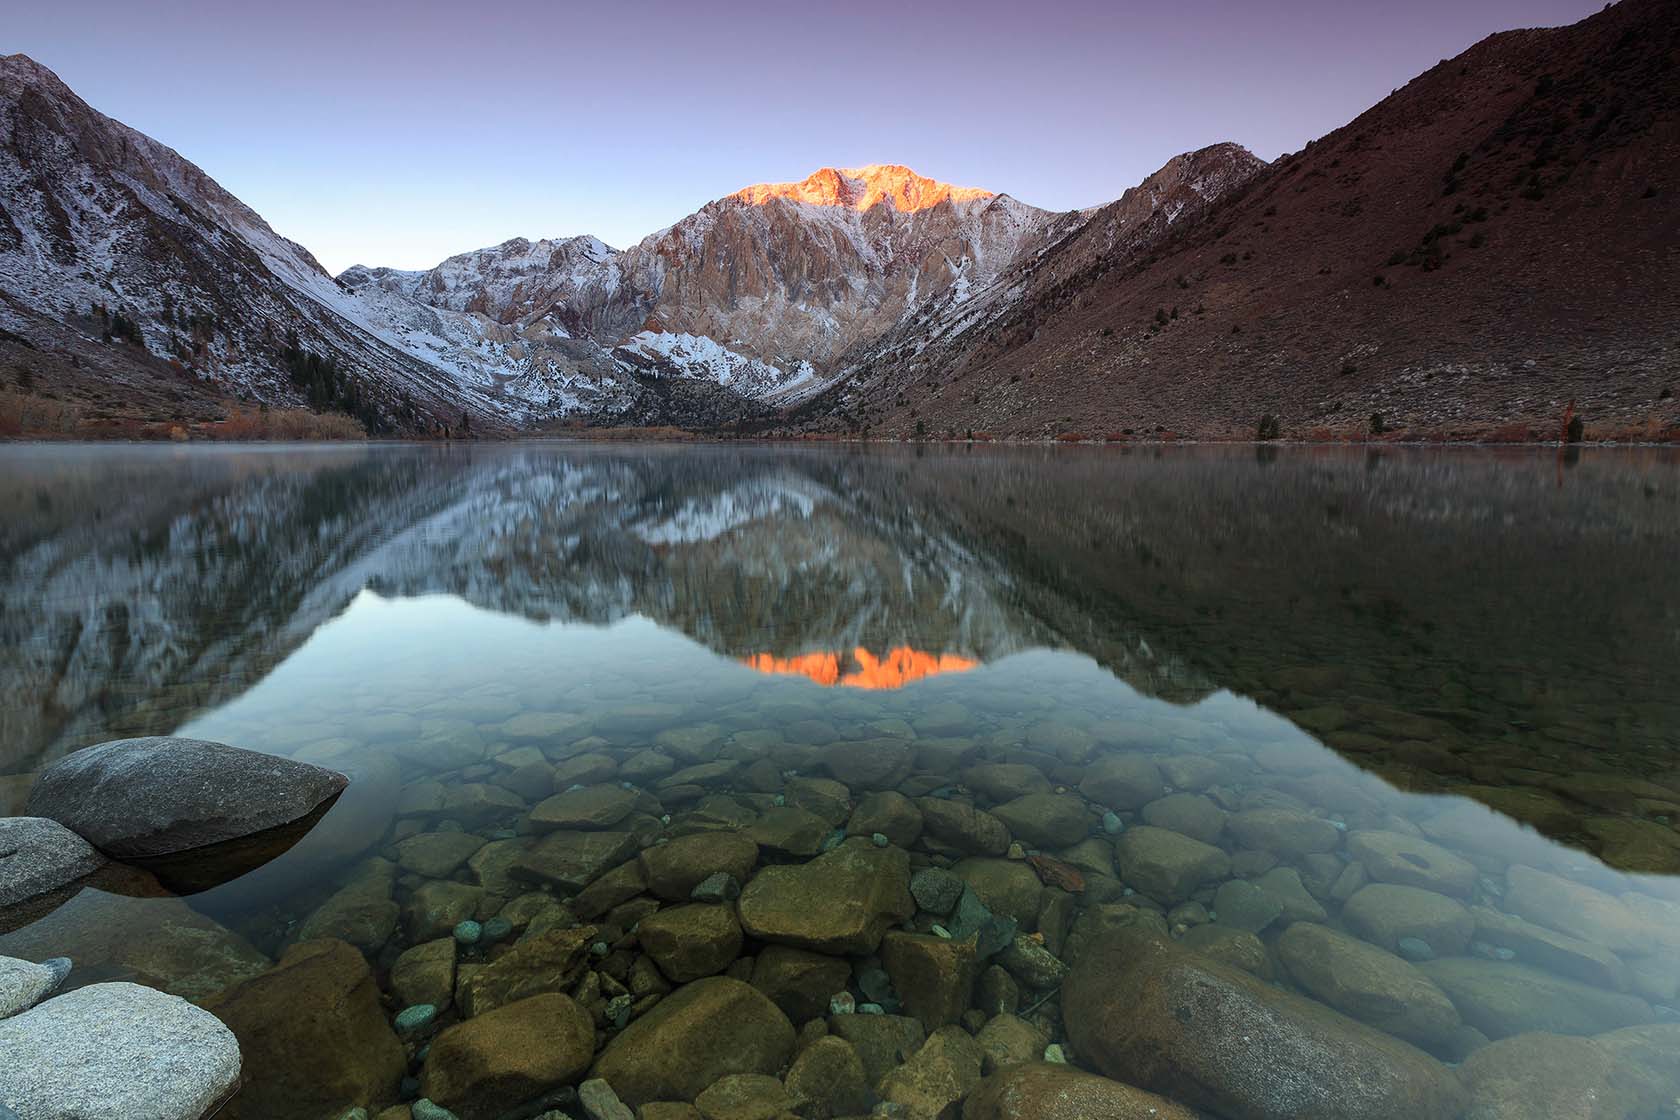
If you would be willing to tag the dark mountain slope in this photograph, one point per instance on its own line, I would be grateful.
(1495, 239)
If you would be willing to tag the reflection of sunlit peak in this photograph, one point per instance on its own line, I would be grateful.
(860, 188)
(893, 669)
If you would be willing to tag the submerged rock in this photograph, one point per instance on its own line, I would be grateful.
(1550, 1075)
(840, 902)
(828, 1075)
(158, 941)
(673, 870)
(1216, 1038)
(1373, 986)
(799, 982)
(117, 1050)
(550, 961)
(697, 1034)
(930, 1085)
(691, 941)
(139, 798)
(425, 973)
(1050, 1091)
(493, 1062)
(933, 976)
(1503, 998)
(314, 1036)
(1167, 866)
(1385, 914)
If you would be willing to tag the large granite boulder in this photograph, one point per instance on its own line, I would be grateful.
(493, 1062)
(1214, 1037)
(315, 1038)
(840, 902)
(41, 864)
(136, 799)
(118, 1050)
(1046, 1091)
(697, 1034)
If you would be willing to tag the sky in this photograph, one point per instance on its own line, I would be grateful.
(398, 134)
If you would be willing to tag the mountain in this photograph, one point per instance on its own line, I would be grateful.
(1490, 242)
(759, 293)
(130, 280)
(1483, 254)
(136, 288)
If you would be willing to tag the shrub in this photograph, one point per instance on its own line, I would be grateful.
(1377, 425)
(1270, 427)
(1576, 429)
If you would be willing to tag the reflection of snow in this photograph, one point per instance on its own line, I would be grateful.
(705, 519)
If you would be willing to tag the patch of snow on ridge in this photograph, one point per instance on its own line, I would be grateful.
(692, 355)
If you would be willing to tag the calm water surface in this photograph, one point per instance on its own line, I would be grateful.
(1334, 672)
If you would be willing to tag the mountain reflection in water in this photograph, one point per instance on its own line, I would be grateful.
(1450, 621)
(893, 669)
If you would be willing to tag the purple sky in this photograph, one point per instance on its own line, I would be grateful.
(400, 133)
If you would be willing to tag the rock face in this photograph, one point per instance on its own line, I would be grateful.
(692, 1037)
(40, 857)
(116, 1050)
(840, 902)
(1216, 1038)
(490, 1063)
(315, 1039)
(1045, 1091)
(139, 798)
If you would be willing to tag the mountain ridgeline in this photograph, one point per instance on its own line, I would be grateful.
(1485, 253)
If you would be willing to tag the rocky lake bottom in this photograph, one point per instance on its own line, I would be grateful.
(752, 784)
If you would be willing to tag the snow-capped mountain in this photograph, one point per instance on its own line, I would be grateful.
(127, 272)
(759, 292)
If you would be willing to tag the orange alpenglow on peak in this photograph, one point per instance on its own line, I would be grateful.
(893, 669)
(860, 188)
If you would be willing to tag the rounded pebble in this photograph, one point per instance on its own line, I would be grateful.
(416, 1018)
(468, 932)
(879, 839)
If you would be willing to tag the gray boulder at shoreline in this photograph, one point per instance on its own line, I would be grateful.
(145, 798)
(116, 1050)
(39, 856)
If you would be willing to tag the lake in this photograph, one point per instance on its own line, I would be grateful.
(1382, 745)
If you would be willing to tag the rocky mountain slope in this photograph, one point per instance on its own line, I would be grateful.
(135, 286)
(126, 272)
(1495, 239)
(1489, 244)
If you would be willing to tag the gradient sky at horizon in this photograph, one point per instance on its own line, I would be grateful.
(399, 134)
